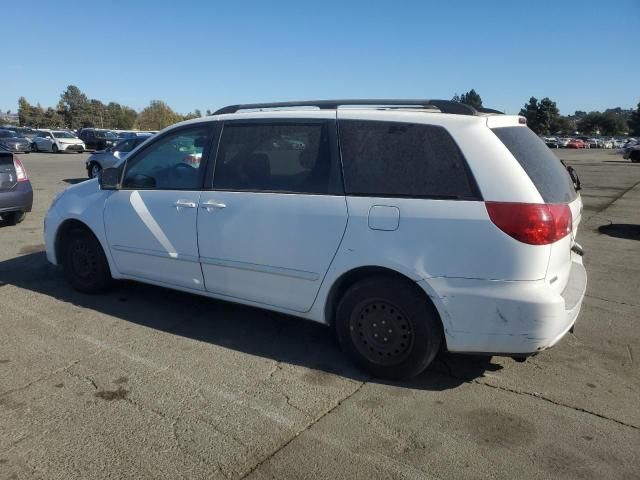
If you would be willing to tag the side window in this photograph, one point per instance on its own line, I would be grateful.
(403, 159)
(282, 157)
(173, 162)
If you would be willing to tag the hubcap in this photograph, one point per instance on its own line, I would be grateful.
(381, 332)
(95, 169)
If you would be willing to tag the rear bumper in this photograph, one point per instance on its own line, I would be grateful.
(506, 318)
(18, 199)
(72, 148)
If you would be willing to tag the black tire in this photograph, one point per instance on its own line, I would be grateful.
(54, 148)
(85, 265)
(94, 169)
(34, 147)
(635, 156)
(13, 218)
(388, 327)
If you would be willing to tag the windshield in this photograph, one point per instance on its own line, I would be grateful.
(63, 135)
(7, 134)
(108, 135)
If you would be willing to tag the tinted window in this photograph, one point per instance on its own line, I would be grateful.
(174, 162)
(275, 158)
(543, 167)
(403, 159)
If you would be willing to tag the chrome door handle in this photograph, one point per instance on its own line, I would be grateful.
(212, 205)
(185, 204)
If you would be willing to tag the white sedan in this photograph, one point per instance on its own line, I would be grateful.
(57, 141)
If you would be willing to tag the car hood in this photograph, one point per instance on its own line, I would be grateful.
(69, 140)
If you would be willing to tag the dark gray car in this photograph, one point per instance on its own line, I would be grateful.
(14, 142)
(16, 195)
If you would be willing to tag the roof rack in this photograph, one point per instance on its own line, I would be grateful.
(444, 106)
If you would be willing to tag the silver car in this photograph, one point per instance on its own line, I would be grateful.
(112, 156)
(14, 142)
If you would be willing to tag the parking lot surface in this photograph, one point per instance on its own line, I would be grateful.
(144, 382)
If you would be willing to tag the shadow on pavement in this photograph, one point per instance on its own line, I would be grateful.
(73, 181)
(621, 230)
(250, 330)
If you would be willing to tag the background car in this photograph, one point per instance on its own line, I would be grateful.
(16, 194)
(97, 139)
(25, 132)
(576, 143)
(112, 156)
(14, 142)
(632, 153)
(563, 142)
(57, 141)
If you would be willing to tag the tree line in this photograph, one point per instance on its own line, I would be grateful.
(543, 117)
(75, 110)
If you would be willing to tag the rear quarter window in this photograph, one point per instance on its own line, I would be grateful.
(395, 159)
(544, 169)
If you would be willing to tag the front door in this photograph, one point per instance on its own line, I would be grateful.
(151, 221)
(271, 225)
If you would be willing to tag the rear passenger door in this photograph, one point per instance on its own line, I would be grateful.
(275, 215)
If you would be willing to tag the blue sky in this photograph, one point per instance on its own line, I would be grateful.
(206, 54)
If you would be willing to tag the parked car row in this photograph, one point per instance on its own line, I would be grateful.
(26, 139)
(583, 142)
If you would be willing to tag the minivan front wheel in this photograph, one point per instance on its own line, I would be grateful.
(388, 327)
(84, 262)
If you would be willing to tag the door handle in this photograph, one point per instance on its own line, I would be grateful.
(211, 205)
(185, 204)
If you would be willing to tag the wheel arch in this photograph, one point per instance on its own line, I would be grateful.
(350, 277)
(64, 228)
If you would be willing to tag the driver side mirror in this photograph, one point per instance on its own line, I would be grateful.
(109, 179)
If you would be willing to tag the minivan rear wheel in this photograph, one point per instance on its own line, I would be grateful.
(388, 327)
(84, 262)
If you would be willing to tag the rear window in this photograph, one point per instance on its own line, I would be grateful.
(543, 167)
(403, 159)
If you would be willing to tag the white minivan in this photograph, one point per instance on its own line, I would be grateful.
(406, 225)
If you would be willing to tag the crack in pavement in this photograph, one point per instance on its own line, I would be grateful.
(612, 301)
(297, 434)
(536, 395)
(555, 402)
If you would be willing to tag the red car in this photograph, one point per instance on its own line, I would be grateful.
(576, 143)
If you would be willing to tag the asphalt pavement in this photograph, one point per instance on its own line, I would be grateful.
(144, 382)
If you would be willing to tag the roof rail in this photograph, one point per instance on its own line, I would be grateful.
(445, 106)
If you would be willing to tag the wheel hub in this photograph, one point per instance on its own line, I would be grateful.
(381, 332)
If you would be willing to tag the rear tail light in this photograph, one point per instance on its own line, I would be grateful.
(21, 172)
(531, 223)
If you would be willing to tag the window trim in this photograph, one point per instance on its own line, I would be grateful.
(476, 194)
(336, 190)
(206, 151)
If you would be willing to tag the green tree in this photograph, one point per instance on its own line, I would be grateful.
(471, 98)
(547, 114)
(634, 121)
(563, 125)
(76, 107)
(25, 112)
(195, 114)
(121, 117)
(597, 123)
(542, 116)
(530, 112)
(157, 116)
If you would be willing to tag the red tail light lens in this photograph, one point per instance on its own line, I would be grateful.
(21, 172)
(531, 223)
